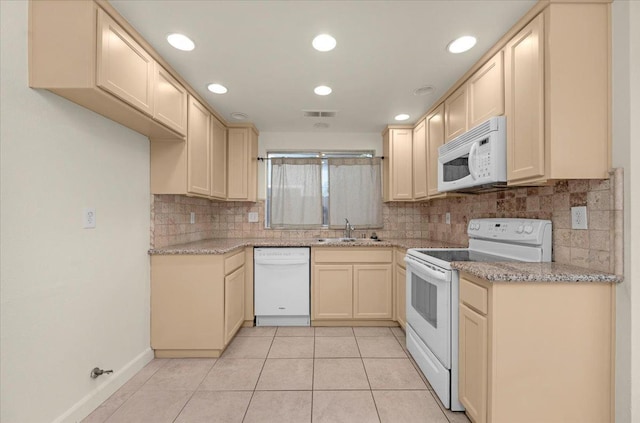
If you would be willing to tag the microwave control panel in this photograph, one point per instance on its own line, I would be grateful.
(483, 159)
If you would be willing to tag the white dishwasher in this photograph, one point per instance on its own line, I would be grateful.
(281, 286)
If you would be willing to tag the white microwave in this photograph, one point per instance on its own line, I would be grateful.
(476, 160)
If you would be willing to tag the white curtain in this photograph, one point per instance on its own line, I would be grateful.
(296, 193)
(355, 192)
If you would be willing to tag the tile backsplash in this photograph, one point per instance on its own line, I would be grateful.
(597, 248)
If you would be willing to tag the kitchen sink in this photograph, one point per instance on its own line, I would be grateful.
(338, 240)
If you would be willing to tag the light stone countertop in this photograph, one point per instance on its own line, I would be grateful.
(533, 272)
(225, 245)
(493, 272)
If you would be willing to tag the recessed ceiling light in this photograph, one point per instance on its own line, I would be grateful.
(181, 42)
(402, 116)
(239, 116)
(322, 90)
(427, 89)
(217, 88)
(462, 44)
(324, 42)
(322, 125)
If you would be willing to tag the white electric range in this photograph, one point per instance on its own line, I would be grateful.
(433, 287)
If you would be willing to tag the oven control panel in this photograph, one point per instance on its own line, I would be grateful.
(509, 229)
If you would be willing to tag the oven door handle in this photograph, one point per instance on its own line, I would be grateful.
(437, 275)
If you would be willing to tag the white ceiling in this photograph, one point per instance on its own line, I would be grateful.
(261, 51)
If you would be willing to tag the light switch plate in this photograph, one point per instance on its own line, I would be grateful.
(447, 218)
(579, 217)
(253, 217)
(192, 218)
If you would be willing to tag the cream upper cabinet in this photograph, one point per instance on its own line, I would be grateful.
(218, 159)
(242, 164)
(455, 109)
(536, 352)
(485, 91)
(419, 156)
(351, 283)
(199, 149)
(78, 51)
(557, 95)
(435, 138)
(124, 68)
(169, 101)
(398, 159)
(524, 58)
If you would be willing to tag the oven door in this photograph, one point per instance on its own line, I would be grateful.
(429, 307)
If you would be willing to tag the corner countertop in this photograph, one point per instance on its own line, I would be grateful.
(533, 272)
(225, 245)
(493, 272)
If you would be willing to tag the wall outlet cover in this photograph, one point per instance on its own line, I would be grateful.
(447, 218)
(88, 217)
(579, 217)
(192, 218)
(253, 217)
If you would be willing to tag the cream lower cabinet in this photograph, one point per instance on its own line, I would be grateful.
(351, 284)
(536, 352)
(400, 282)
(197, 303)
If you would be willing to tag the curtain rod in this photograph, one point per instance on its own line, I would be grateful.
(261, 159)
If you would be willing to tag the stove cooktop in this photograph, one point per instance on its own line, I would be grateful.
(461, 255)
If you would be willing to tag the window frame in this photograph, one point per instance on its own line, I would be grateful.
(303, 154)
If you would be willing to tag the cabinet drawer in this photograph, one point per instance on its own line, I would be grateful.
(474, 296)
(233, 262)
(400, 258)
(348, 255)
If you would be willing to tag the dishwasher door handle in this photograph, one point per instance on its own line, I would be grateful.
(279, 262)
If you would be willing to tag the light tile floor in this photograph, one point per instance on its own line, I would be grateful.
(285, 374)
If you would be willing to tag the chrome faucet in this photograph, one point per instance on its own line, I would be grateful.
(348, 228)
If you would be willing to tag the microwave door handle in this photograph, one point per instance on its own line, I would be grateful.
(472, 161)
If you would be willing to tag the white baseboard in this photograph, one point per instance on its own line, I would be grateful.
(93, 399)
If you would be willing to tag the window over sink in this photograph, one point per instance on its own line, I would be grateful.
(308, 190)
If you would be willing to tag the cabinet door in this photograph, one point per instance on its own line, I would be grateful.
(239, 149)
(473, 363)
(486, 91)
(401, 296)
(455, 109)
(199, 149)
(401, 152)
(233, 303)
(419, 161)
(435, 138)
(372, 291)
(123, 67)
(218, 159)
(332, 288)
(524, 101)
(187, 303)
(169, 101)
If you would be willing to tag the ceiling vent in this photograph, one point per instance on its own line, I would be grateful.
(320, 113)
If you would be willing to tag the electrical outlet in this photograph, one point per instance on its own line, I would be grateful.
(88, 217)
(253, 217)
(579, 217)
(447, 218)
(192, 218)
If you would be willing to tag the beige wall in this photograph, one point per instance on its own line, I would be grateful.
(626, 151)
(71, 298)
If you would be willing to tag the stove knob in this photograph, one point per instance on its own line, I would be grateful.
(520, 229)
(528, 229)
